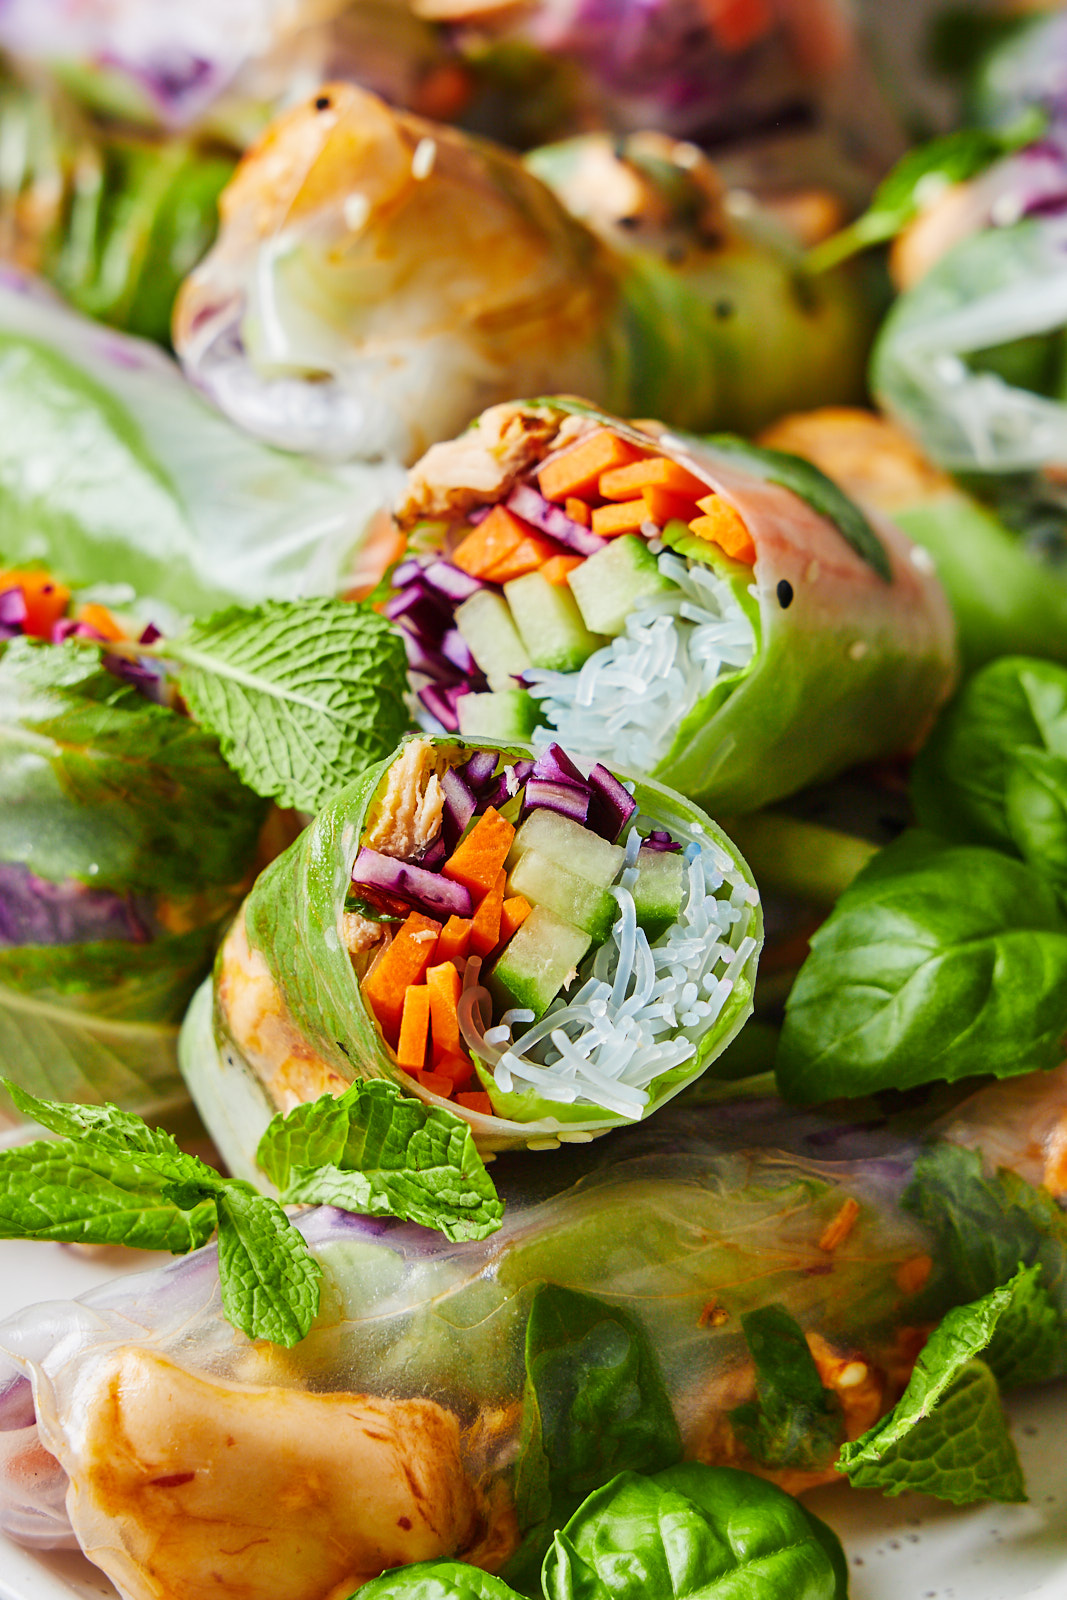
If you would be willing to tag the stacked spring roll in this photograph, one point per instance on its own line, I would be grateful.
(458, 1400)
(379, 278)
(722, 619)
(547, 953)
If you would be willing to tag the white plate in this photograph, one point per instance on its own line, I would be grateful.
(912, 1548)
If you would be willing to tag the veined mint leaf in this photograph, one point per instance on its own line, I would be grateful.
(303, 695)
(793, 1421)
(79, 1193)
(109, 1128)
(947, 1435)
(376, 1152)
(1027, 1343)
(269, 1279)
(962, 1452)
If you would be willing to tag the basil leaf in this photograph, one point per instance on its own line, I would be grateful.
(947, 1435)
(594, 1404)
(269, 1279)
(937, 963)
(959, 786)
(303, 696)
(374, 1151)
(692, 1531)
(919, 177)
(438, 1580)
(805, 480)
(793, 1421)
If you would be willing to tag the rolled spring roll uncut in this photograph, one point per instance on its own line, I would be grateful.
(286, 1020)
(186, 1460)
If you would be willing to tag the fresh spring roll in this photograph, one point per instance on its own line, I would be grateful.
(378, 279)
(1005, 601)
(111, 462)
(112, 220)
(125, 843)
(545, 953)
(720, 618)
(459, 1400)
(225, 66)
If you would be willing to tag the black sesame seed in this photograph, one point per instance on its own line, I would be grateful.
(323, 103)
(724, 309)
(784, 593)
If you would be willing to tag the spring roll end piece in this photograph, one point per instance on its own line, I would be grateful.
(184, 1484)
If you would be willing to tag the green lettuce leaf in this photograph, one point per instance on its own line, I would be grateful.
(793, 1421)
(375, 1151)
(938, 963)
(303, 696)
(947, 1435)
(99, 784)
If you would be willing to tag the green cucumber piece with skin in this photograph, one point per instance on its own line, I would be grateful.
(544, 882)
(510, 714)
(486, 623)
(659, 890)
(567, 844)
(609, 585)
(535, 965)
(550, 624)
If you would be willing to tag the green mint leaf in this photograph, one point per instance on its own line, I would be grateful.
(918, 178)
(1013, 710)
(938, 962)
(793, 1421)
(270, 1281)
(123, 794)
(818, 491)
(947, 1435)
(78, 1193)
(376, 1152)
(961, 1452)
(981, 1226)
(594, 1404)
(1026, 1346)
(303, 695)
(108, 1128)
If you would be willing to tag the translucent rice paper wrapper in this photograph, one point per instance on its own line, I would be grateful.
(288, 1023)
(378, 279)
(115, 472)
(848, 665)
(993, 290)
(415, 1417)
(227, 65)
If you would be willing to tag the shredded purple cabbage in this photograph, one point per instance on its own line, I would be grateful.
(35, 911)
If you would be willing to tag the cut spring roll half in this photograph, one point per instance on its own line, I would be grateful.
(547, 954)
(719, 617)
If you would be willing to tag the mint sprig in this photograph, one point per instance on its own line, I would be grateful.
(374, 1151)
(947, 1435)
(113, 1180)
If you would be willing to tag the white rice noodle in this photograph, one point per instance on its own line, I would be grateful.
(629, 698)
(639, 1010)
